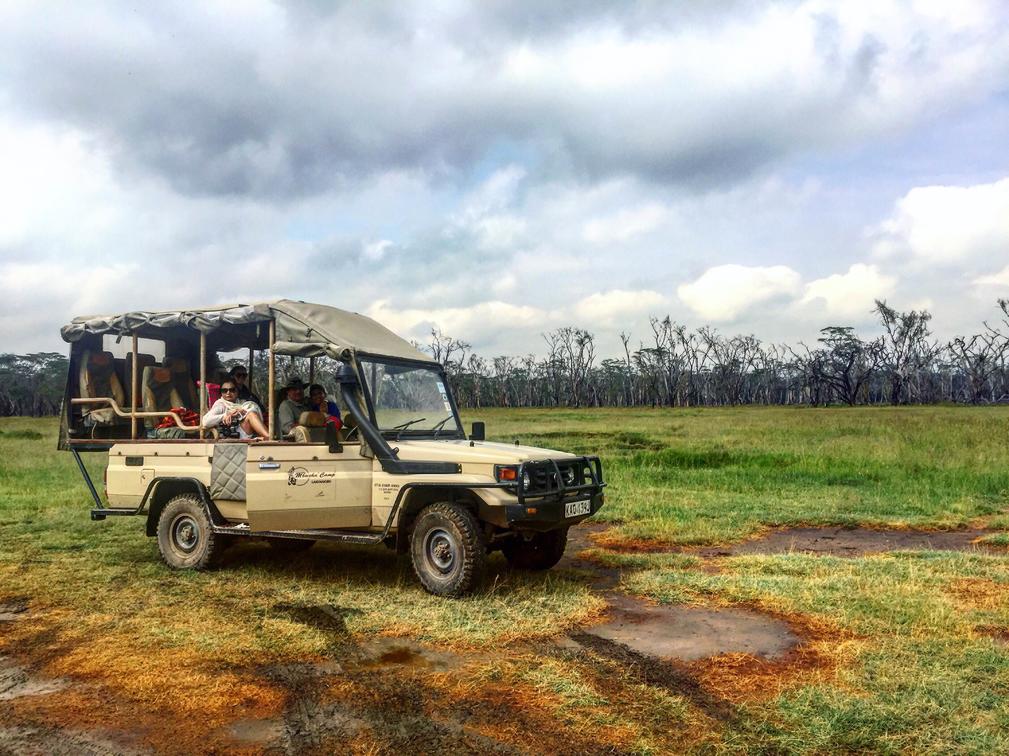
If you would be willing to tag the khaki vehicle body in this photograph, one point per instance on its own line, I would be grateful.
(402, 472)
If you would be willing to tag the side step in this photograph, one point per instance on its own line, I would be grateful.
(101, 514)
(344, 536)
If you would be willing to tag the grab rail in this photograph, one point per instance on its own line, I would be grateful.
(115, 407)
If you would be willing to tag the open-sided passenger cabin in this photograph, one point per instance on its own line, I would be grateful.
(128, 371)
(138, 386)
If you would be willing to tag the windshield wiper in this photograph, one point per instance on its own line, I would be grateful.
(403, 426)
(437, 428)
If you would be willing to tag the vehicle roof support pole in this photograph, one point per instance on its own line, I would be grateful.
(135, 381)
(311, 369)
(271, 379)
(203, 378)
(251, 361)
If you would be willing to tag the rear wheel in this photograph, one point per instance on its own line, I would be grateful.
(447, 549)
(185, 537)
(541, 552)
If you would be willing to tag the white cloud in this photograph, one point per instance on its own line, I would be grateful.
(724, 292)
(375, 251)
(624, 225)
(616, 308)
(948, 225)
(850, 294)
(1000, 279)
(476, 323)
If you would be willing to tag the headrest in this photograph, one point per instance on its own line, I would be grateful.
(161, 375)
(312, 419)
(178, 364)
(100, 358)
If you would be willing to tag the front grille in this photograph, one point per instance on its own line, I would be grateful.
(553, 476)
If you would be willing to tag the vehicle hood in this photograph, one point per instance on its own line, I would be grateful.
(473, 452)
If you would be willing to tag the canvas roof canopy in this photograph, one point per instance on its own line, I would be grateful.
(302, 329)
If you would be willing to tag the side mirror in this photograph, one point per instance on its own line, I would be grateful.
(478, 432)
(332, 440)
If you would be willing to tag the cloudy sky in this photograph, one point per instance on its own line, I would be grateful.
(504, 168)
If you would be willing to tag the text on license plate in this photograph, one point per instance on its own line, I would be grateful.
(576, 508)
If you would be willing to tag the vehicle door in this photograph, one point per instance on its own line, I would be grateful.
(306, 486)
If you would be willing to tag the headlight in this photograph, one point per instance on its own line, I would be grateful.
(526, 481)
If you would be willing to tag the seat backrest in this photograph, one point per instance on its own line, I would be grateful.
(143, 361)
(303, 434)
(183, 381)
(160, 394)
(98, 379)
(312, 419)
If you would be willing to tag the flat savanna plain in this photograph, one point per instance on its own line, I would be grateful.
(886, 599)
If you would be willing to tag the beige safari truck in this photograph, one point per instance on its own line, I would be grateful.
(400, 472)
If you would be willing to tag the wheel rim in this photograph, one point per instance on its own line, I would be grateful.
(440, 550)
(185, 534)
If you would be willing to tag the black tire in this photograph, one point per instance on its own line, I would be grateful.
(185, 538)
(541, 552)
(447, 549)
(290, 545)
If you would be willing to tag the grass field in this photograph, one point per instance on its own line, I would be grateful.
(901, 651)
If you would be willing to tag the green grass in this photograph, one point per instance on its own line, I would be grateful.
(911, 649)
(697, 476)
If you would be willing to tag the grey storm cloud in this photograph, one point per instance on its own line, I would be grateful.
(298, 99)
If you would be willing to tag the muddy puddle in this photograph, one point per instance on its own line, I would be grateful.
(852, 542)
(689, 633)
(12, 610)
(17, 682)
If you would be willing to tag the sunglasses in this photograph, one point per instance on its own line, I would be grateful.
(241, 375)
(229, 390)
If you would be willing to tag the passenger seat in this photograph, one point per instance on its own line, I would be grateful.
(183, 382)
(98, 379)
(143, 361)
(311, 428)
(159, 393)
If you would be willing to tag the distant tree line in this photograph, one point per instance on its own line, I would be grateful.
(679, 367)
(673, 367)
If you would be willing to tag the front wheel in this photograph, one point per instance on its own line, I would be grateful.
(447, 549)
(185, 536)
(541, 552)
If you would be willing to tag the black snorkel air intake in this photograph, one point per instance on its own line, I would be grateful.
(386, 455)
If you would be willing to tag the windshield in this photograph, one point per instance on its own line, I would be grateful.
(409, 399)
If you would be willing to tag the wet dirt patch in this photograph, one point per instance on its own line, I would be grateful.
(400, 652)
(689, 633)
(823, 541)
(852, 542)
(13, 609)
(17, 682)
(53, 741)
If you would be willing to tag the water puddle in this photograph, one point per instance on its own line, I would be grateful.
(688, 633)
(852, 542)
(16, 682)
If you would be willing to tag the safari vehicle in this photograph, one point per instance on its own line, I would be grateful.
(401, 471)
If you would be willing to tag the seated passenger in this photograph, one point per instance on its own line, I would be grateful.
(319, 402)
(292, 407)
(241, 377)
(234, 419)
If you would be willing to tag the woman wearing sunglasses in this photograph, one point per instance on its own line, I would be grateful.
(234, 418)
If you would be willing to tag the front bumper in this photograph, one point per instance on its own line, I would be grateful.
(549, 514)
(543, 507)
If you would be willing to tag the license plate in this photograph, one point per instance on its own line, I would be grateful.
(577, 508)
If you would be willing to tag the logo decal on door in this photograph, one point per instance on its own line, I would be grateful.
(299, 476)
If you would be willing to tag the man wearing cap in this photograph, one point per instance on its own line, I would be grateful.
(240, 375)
(292, 407)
